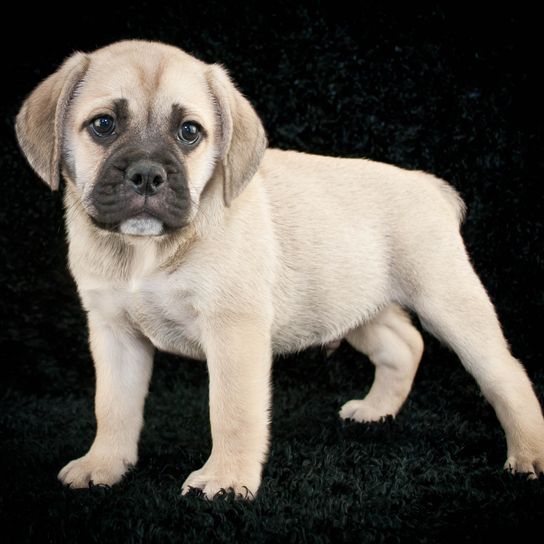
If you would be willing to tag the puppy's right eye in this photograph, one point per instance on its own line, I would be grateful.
(103, 125)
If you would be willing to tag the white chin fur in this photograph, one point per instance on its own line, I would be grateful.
(142, 226)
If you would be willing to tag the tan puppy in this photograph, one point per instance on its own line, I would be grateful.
(186, 234)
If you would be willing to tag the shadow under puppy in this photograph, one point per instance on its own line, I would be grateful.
(188, 235)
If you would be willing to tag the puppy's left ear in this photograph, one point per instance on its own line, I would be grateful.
(242, 139)
(41, 118)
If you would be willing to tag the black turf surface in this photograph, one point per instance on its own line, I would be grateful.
(456, 93)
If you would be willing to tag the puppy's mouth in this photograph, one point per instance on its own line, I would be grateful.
(143, 223)
(140, 193)
(138, 215)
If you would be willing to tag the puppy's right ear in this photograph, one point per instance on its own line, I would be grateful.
(40, 121)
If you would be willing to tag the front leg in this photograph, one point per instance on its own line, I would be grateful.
(123, 361)
(239, 356)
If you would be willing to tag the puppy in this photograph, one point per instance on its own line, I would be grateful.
(188, 235)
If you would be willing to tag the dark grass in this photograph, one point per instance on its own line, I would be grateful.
(454, 93)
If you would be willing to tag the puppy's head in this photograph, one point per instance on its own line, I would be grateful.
(139, 129)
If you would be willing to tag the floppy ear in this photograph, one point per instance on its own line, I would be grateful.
(242, 138)
(41, 118)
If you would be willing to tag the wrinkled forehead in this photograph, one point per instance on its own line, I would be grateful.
(151, 82)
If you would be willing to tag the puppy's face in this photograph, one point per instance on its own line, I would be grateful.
(141, 139)
(139, 128)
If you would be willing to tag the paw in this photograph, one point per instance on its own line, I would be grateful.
(93, 469)
(363, 411)
(532, 465)
(213, 480)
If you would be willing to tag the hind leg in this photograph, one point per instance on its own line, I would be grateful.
(395, 347)
(452, 303)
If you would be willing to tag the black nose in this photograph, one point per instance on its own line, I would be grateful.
(145, 177)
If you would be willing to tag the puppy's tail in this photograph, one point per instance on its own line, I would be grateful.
(452, 196)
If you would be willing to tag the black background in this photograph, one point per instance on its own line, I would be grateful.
(455, 92)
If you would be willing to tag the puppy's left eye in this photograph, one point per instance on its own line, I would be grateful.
(189, 132)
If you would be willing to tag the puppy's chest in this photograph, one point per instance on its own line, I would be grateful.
(161, 310)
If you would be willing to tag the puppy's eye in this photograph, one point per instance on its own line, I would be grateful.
(189, 132)
(103, 125)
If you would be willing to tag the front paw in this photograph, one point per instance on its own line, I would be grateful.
(527, 456)
(532, 465)
(214, 479)
(93, 469)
